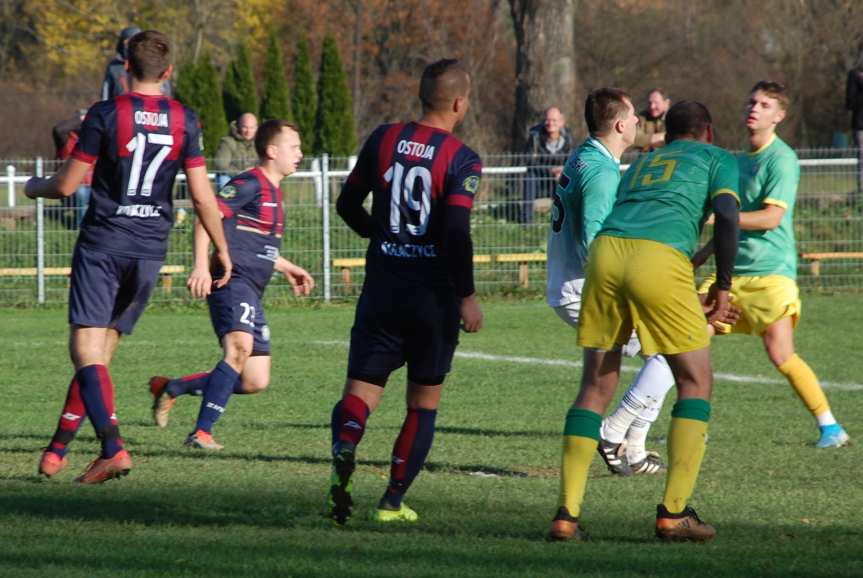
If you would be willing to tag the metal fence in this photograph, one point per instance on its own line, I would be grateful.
(509, 230)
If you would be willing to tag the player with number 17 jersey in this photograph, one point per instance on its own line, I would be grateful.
(139, 143)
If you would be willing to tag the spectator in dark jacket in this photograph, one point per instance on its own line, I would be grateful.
(548, 145)
(116, 76)
(854, 103)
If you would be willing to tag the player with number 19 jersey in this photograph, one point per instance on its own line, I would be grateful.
(414, 172)
(420, 257)
(139, 143)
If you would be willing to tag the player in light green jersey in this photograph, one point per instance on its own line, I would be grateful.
(764, 285)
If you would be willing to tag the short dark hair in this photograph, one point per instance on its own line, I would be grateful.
(268, 132)
(441, 82)
(149, 55)
(602, 107)
(660, 91)
(686, 118)
(773, 90)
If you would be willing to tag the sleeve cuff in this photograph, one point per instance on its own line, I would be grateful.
(718, 192)
(195, 162)
(80, 155)
(776, 202)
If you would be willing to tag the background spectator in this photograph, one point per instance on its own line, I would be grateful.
(854, 103)
(236, 152)
(651, 121)
(548, 145)
(65, 135)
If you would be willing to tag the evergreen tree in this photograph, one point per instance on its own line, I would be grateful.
(198, 88)
(334, 122)
(276, 100)
(239, 92)
(303, 102)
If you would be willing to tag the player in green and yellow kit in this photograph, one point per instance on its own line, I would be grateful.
(764, 285)
(639, 276)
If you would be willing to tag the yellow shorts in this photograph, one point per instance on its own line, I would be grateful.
(642, 285)
(762, 300)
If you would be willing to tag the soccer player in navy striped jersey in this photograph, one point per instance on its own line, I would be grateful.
(138, 141)
(252, 206)
(419, 280)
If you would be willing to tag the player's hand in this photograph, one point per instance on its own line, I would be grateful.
(711, 220)
(301, 282)
(717, 303)
(200, 283)
(225, 259)
(471, 314)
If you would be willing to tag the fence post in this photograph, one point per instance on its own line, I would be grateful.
(40, 239)
(325, 200)
(10, 174)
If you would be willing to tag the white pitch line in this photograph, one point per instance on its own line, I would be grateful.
(628, 369)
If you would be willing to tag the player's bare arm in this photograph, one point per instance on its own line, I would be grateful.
(200, 282)
(765, 219)
(210, 217)
(61, 185)
(301, 282)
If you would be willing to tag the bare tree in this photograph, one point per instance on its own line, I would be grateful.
(545, 62)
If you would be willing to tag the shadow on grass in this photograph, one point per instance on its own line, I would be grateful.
(481, 432)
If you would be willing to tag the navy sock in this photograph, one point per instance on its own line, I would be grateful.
(97, 393)
(220, 386)
(409, 453)
(189, 385)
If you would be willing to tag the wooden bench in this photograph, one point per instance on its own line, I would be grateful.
(346, 264)
(523, 259)
(166, 273)
(816, 258)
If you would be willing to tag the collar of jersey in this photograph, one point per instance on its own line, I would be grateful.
(598, 144)
(764, 146)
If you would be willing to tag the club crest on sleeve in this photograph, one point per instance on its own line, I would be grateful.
(228, 192)
(471, 184)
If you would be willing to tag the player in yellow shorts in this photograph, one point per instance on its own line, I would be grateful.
(764, 285)
(639, 277)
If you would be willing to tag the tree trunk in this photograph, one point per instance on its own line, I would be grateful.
(545, 64)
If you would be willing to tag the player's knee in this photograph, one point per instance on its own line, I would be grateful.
(237, 353)
(256, 384)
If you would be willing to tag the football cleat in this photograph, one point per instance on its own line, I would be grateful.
(203, 441)
(339, 500)
(832, 436)
(51, 464)
(614, 457)
(403, 514)
(565, 527)
(103, 469)
(651, 464)
(683, 527)
(162, 400)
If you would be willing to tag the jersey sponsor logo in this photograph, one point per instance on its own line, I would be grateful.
(408, 251)
(265, 333)
(471, 184)
(228, 192)
(139, 211)
(270, 253)
(415, 149)
(157, 119)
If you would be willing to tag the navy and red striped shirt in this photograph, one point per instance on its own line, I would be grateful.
(254, 225)
(138, 143)
(423, 182)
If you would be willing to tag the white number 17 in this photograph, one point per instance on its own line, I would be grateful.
(136, 146)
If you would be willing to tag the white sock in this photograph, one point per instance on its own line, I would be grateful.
(649, 390)
(825, 418)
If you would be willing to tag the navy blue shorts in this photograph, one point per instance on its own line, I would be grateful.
(237, 307)
(418, 327)
(109, 290)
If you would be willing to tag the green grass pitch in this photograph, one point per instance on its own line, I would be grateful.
(781, 507)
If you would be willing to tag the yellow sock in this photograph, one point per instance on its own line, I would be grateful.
(578, 452)
(805, 383)
(580, 438)
(686, 444)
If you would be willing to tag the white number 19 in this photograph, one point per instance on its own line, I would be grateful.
(396, 176)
